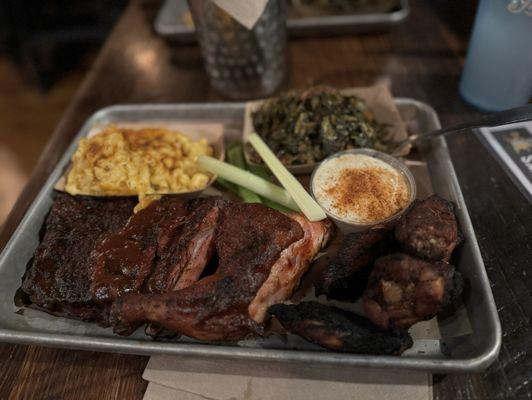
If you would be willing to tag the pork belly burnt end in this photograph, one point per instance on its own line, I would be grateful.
(249, 240)
(57, 277)
(287, 271)
(339, 330)
(429, 229)
(403, 290)
(346, 276)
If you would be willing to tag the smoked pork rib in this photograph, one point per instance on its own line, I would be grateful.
(181, 260)
(169, 241)
(57, 277)
(249, 240)
(123, 259)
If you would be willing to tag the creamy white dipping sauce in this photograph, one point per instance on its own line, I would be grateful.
(360, 189)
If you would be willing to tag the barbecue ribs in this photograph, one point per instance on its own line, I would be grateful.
(183, 256)
(250, 240)
(57, 277)
(151, 266)
(170, 241)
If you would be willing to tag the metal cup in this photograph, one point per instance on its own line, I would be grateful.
(242, 63)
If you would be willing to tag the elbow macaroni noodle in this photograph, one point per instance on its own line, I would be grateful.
(143, 162)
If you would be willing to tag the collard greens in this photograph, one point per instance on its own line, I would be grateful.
(303, 127)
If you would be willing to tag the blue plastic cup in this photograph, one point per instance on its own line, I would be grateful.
(498, 70)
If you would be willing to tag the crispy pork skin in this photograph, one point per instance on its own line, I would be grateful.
(249, 240)
(346, 275)
(429, 229)
(339, 330)
(287, 271)
(403, 290)
(57, 277)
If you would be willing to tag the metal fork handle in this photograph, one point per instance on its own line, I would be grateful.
(510, 116)
(513, 115)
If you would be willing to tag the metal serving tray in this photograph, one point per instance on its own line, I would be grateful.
(169, 22)
(454, 352)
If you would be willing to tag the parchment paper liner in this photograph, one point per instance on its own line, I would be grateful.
(379, 100)
(195, 130)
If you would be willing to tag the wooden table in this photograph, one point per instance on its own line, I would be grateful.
(421, 59)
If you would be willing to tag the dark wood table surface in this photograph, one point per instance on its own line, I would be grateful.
(421, 59)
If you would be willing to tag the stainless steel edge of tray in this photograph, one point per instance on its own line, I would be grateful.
(471, 352)
(167, 22)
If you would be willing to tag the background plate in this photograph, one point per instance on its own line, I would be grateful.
(170, 24)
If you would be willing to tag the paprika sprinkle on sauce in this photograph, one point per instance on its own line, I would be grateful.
(360, 188)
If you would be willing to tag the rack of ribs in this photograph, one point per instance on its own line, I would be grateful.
(252, 243)
(57, 278)
(151, 267)
(93, 250)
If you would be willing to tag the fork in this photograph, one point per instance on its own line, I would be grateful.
(512, 115)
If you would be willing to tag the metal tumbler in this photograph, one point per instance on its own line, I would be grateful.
(242, 63)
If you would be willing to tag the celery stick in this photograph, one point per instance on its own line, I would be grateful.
(300, 196)
(227, 185)
(248, 180)
(260, 170)
(263, 172)
(235, 157)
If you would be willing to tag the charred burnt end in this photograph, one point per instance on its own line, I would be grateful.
(339, 330)
(346, 276)
(403, 290)
(57, 277)
(429, 229)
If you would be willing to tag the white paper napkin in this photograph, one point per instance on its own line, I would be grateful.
(194, 379)
(244, 11)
